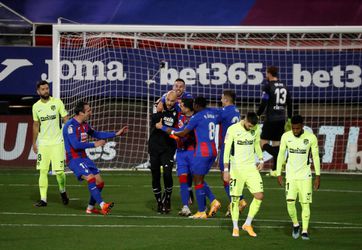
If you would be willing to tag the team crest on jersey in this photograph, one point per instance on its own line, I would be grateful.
(83, 137)
(70, 130)
(180, 123)
(52, 107)
(306, 141)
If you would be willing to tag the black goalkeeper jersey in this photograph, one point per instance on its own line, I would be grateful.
(276, 99)
(159, 140)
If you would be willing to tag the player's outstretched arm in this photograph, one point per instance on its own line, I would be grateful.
(122, 131)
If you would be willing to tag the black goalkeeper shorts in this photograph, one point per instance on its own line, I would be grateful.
(272, 130)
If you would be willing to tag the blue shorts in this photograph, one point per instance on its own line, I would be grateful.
(184, 160)
(201, 165)
(83, 166)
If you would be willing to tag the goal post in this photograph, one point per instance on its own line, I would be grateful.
(116, 68)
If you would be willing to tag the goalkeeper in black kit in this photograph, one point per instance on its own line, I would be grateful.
(276, 99)
(161, 149)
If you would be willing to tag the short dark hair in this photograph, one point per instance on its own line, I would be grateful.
(230, 93)
(252, 117)
(272, 70)
(40, 83)
(297, 119)
(180, 80)
(201, 101)
(79, 107)
(188, 103)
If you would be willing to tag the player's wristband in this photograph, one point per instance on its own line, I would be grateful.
(261, 161)
(226, 170)
(172, 132)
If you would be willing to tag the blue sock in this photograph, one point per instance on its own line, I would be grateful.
(184, 192)
(209, 194)
(200, 197)
(92, 187)
(92, 201)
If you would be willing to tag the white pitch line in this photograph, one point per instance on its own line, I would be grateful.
(156, 226)
(176, 186)
(171, 217)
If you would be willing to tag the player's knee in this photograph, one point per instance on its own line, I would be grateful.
(90, 178)
(182, 178)
(43, 172)
(259, 196)
(100, 185)
(59, 172)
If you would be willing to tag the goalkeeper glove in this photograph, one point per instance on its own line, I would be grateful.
(288, 125)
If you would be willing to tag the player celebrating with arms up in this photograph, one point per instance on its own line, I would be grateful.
(299, 144)
(75, 133)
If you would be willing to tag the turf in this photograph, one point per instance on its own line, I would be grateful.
(336, 220)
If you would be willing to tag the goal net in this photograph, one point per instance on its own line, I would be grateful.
(122, 70)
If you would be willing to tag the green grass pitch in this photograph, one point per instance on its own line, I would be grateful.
(336, 216)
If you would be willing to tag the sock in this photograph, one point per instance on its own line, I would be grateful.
(253, 210)
(157, 193)
(60, 175)
(292, 211)
(235, 224)
(200, 197)
(92, 201)
(168, 193)
(43, 184)
(271, 150)
(305, 216)
(227, 189)
(184, 191)
(234, 208)
(208, 193)
(94, 190)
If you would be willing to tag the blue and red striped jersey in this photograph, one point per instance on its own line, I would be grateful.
(229, 115)
(75, 136)
(204, 125)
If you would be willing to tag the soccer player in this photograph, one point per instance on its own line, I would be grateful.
(47, 114)
(242, 141)
(76, 132)
(179, 87)
(275, 98)
(184, 154)
(161, 149)
(229, 115)
(203, 124)
(299, 144)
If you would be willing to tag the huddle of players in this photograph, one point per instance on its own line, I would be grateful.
(191, 124)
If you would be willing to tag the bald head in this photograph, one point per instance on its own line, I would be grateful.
(171, 98)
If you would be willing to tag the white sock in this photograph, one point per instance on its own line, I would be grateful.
(296, 225)
(248, 221)
(235, 224)
(102, 204)
(90, 207)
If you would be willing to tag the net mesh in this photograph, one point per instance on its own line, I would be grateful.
(122, 74)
